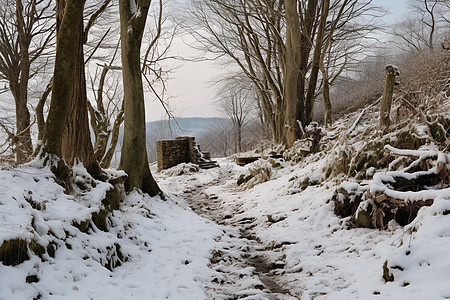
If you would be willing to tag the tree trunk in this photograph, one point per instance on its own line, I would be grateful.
(106, 161)
(326, 100)
(134, 160)
(63, 78)
(385, 110)
(240, 138)
(24, 146)
(76, 139)
(291, 76)
(306, 42)
(310, 95)
(40, 110)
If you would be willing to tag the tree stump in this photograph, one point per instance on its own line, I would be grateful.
(386, 101)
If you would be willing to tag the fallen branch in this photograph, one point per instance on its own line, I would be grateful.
(361, 114)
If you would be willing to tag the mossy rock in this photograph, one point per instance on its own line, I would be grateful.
(14, 252)
(363, 217)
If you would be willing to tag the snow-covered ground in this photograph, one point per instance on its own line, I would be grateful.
(322, 259)
(165, 247)
(274, 237)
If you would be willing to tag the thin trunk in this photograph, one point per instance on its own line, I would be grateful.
(240, 138)
(134, 160)
(306, 37)
(310, 95)
(326, 81)
(106, 161)
(24, 146)
(40, 110)
(326, 100)
(385, 110)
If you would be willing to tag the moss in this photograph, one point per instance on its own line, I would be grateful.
(113, 197)
(99, 219)
(408, 139)
(14, 252)
(82, 226)
(372, 157)
(31, 279)
(51, 249)
(308, 182)
(275, 164)
(37, 248)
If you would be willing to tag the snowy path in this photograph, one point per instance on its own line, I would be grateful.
(248, 268)
(283, 245)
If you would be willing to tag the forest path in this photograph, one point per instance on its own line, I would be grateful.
(248, 267)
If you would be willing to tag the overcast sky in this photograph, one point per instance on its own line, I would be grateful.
(190, 86)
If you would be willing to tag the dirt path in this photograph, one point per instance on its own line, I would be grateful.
(248, 268)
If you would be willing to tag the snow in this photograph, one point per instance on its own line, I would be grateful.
(168, 251)
(167, 246)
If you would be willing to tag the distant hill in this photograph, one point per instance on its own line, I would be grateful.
(164, 129)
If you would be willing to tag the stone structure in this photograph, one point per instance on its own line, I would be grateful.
(181, 150)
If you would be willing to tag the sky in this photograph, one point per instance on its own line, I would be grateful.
(189, 88)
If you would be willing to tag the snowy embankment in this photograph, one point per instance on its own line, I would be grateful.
(53, 245)
(322, 257)
(156, 249)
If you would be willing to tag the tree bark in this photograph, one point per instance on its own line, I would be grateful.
(24, 146)
(76, 141)
(63, 78)
(106, 161)
(291, 76)
(134, 160)
(40, 110)
(386, 101)
(306, 42)
(326, 100)
(240, 138)
(310, 95)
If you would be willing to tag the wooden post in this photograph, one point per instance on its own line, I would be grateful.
(385, 110)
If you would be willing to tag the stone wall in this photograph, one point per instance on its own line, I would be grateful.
(173, 152)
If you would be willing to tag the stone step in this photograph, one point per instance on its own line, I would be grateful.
(208, 164)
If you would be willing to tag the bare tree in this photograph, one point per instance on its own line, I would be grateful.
(219, 138)
(107, 115)
(235, 102)
(26, 34)
(279, 46)
(134, 160)
(63, 81)
(426, 21)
